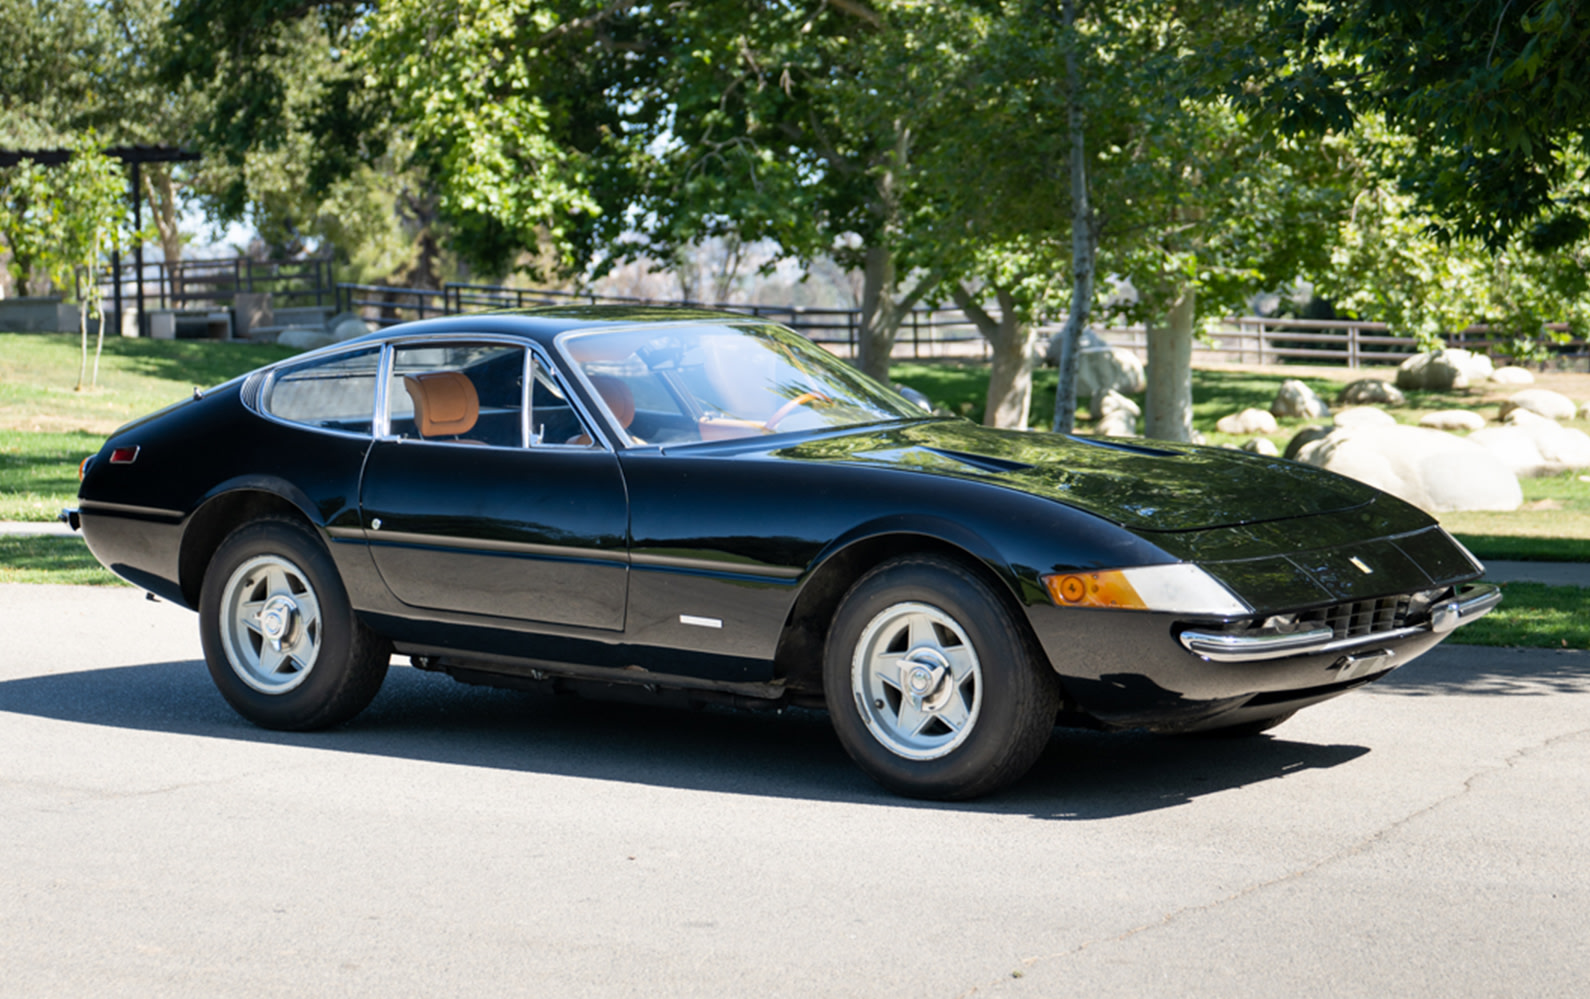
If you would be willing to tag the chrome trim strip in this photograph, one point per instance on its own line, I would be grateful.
(527, 387)
(502, 547)
(381, 422)
(100, 506)
(643, 560)
(1472, 602)
(1237, 648)
(1475, 602)
(701, 622)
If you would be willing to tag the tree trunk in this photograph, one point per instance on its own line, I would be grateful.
(95, 307)
(1168, 408)
(163, 202)
(1084, 244)
(82, 333)
(880, 314)
(1010, 344)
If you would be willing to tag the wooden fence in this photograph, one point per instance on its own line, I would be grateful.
(949, 332)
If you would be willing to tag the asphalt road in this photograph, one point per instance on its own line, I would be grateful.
(1423, 837)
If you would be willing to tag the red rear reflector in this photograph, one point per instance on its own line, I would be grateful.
(124, 456)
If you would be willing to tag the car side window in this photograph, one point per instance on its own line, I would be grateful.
(457, 393)
(331, 393)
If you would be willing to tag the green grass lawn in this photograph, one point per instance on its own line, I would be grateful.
(1533, 615)
(47, 429)
(45, 559)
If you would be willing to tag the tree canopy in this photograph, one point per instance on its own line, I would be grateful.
(1424, 164)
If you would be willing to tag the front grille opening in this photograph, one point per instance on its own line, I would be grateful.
(1352, 619)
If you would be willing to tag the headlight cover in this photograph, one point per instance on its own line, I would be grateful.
(1179, 588)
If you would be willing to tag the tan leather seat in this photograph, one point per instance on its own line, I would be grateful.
(445, 403)
(620, 402)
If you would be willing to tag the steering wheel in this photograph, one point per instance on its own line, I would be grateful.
(790, 407)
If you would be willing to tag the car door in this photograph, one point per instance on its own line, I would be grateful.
(483, 492)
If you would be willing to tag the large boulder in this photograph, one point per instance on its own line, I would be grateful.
(346, 326)
(1303, 438)
(1116, 415)
(1543, 402)
(1452, 419)
(304, 338)
(1443, 370)
(1512, 375)
(1364, 416)
(1109, 369)
(1262, 445)
(1434, 471)
(1371, 391)
(1295, 400)
(1249, 421)
(1534, 445)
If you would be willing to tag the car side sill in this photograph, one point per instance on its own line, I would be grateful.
(429, 658)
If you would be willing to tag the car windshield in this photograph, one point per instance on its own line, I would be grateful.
(691, 383)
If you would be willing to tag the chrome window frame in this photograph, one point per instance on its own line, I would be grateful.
(534, 354)
(257, 403)
(380, 422)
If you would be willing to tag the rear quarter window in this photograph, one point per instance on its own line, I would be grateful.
(333, 393)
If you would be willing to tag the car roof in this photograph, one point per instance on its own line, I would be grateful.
(542, 325)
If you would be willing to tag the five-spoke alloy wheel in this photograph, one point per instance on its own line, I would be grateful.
(932, 683)
(282, 643)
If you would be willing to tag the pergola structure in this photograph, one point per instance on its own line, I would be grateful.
(133, 157)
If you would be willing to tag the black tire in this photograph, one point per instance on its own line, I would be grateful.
(942, 729)
(1246, 729)
(274, 577)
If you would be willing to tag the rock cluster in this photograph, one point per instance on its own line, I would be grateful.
(1435, 471)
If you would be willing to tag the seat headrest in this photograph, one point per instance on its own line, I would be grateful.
(445, 403)
(620, 400)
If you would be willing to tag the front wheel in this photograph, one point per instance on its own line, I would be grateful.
(932, 685)
(280, 639)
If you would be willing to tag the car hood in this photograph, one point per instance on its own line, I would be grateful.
(1157, 487)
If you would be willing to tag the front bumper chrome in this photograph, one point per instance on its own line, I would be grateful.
(1469, 603)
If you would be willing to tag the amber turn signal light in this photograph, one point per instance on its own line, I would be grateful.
(1093, 589)
(1178, 587)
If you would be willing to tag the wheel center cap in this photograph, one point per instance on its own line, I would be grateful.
(922, 678)
(276, 619)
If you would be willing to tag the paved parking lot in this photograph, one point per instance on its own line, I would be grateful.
(1423, 837)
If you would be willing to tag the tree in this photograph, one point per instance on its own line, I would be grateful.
(88, 212)
(1493, 95)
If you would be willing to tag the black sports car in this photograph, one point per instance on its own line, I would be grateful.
(707, 506)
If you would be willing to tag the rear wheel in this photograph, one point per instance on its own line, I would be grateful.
(281, 641)
(932, 684)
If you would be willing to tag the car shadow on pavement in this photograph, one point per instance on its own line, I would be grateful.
(793, 753)
(1492, 672)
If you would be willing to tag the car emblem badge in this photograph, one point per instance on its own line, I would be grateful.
(1355, 560)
